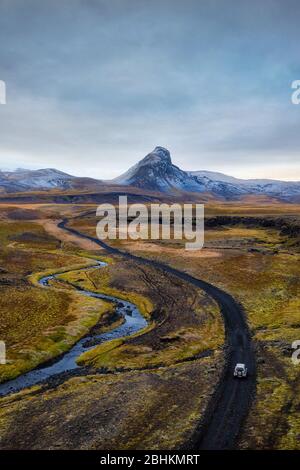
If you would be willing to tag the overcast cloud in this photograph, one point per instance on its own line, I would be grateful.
(92, 86)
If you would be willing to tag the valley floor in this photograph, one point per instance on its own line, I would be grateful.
(118, 399)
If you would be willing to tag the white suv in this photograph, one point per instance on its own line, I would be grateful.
(240, 371)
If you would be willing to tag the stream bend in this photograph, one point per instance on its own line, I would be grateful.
(133, 322)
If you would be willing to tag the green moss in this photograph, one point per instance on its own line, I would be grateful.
(35, 277)
(39, 324)
(178, 346)
(56, 340)
(83, 280)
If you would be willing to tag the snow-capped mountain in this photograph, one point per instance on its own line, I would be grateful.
(157, 172)
(44, 179)
(24, 180)
(275, 188)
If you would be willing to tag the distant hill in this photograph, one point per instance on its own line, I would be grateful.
(154, 173)
(44, 179)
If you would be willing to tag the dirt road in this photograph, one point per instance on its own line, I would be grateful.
(232, 398)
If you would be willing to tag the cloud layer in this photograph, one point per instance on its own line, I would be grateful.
(94, 85)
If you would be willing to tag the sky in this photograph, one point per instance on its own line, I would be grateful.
(92, 86)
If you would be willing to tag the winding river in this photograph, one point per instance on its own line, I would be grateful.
(133, 322)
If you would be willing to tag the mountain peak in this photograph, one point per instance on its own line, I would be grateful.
(162, 152)
(157, 172)
(158, 155)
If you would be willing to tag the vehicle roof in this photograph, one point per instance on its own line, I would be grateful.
(240, 365)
